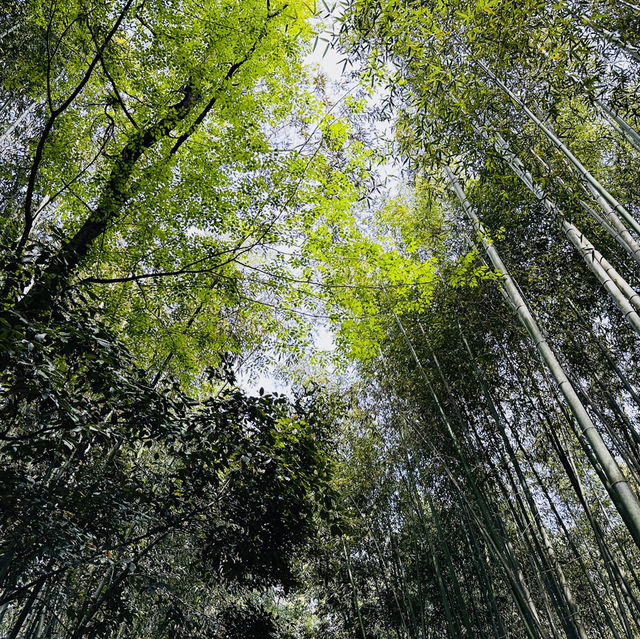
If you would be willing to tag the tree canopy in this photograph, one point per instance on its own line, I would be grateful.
(435, 258)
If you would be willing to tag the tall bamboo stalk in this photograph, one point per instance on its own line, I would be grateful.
(620, 125)
(354, 592)
(562, 147)
(574, 614)
(500, 545)
(624, 296)
(616, 484)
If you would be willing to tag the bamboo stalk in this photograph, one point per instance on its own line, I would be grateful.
(562, 147)
(620, 291)
(612, 224)
(520, 591)
(616, 484)
(574, 614)
(607, 275)
(620, 125)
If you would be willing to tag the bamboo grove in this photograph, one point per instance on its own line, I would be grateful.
(183, 202)
(518, 426)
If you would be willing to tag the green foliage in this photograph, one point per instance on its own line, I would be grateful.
(169, 153)
(121, 500)
(172, 170)
(179, 197)
(476, 506)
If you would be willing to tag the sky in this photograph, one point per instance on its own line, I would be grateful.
(326, 60)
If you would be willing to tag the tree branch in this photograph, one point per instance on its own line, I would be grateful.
(113, 198)
(55, 113)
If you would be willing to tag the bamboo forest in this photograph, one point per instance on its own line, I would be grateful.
(319, 319)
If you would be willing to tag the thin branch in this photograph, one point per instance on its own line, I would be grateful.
(230, 73)
(112, 81)
(55, 113)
